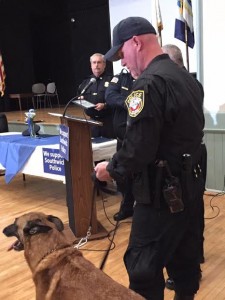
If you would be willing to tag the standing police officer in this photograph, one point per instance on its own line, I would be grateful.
(161, 151)
(96, 95)
(176, 55)
(115, 96)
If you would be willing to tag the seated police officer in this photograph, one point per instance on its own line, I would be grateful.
(95, 94)
(115, 96)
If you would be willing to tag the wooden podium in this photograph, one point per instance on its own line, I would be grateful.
(79, 185)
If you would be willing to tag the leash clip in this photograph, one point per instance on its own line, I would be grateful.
(83, 240)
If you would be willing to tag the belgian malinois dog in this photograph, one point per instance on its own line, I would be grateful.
(60, 272)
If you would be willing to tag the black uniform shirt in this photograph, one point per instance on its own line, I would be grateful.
(115, 96)
(165, 120)
(96, 94)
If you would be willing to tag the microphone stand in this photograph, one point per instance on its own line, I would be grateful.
(65, 109)
(92, 80)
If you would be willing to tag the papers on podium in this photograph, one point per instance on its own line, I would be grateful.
(84, 103)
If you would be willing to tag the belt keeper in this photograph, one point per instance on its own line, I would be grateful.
(195, 173)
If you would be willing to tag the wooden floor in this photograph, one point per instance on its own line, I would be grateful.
(37, 194)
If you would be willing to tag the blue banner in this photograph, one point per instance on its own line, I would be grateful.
(53, 162)
(64, 141)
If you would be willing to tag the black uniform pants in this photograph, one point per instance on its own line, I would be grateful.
(106, 130)
(161, 239)
(125, 189)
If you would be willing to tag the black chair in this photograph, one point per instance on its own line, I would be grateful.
(5, 128)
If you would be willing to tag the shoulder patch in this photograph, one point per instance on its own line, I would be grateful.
(135, 103)
(115, 79)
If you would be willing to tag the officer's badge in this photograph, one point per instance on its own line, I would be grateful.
(106, 84)
(115, 79)
(135, 103)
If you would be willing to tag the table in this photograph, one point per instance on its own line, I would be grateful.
(25, 155)
(20, 96)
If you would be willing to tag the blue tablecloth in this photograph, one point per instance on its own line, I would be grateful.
(16, 149)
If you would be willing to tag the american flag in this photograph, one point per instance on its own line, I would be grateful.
(2, 77)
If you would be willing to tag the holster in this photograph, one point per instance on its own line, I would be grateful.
(168, 187)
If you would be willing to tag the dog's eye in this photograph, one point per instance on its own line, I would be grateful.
(34, 230)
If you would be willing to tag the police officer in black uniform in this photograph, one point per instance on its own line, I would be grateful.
(176, 55)
(115, 96)
(96, 95)
(161, 151)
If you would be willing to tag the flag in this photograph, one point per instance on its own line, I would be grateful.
(157, 19)
(185, 15)
(2, 77)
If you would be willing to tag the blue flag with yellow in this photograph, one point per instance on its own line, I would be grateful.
(185, 15)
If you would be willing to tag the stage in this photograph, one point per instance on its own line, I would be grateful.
(48, 124)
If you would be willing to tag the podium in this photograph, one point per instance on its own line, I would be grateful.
(79, 185)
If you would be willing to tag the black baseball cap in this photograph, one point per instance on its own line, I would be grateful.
(124, 31)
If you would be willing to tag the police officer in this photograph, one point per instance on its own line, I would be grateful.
(96, 95)
(176, 55)
(161, 151)
(115, 96)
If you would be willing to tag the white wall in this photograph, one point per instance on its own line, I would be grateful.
(213, 60)
(120, 9)
(207, 57)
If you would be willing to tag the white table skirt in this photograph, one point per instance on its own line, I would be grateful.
(34, 165)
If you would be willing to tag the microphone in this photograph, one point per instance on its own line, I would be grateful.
(92, 80)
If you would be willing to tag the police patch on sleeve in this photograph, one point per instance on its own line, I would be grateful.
(115, 79)
(135, 103)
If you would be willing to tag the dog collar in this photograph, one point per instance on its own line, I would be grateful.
(51, 251)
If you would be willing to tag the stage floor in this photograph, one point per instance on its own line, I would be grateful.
(43, 116)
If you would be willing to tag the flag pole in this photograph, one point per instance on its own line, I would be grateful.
(160, 38)
(186, 43)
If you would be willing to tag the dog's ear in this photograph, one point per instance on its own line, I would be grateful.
(10, 230)
(58, 223)
(34, 227)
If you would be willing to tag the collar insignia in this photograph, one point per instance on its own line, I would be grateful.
(135, 103)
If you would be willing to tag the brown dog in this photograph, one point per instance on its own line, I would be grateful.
(60, 272)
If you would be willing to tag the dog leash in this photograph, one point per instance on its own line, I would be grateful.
(104, 189)
(83, 240)
(97, 186)
(108, 250)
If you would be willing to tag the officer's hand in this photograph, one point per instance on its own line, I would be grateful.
(99, 106)
(101, 173)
